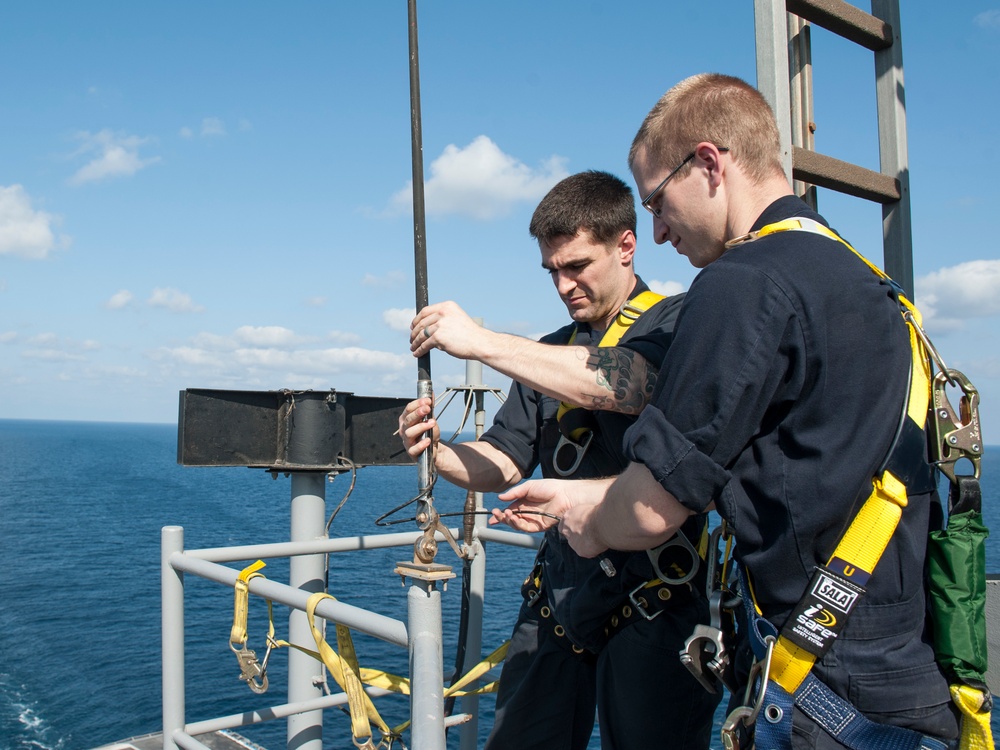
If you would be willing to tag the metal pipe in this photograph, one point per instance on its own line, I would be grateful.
(372, 623)
(426, 666)
(306, 573)
(172, 634)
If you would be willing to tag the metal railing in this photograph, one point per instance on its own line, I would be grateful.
(305, 714)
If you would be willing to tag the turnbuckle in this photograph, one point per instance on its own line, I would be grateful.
(955, 436)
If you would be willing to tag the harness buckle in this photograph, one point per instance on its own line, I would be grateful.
(640, 604)
(579, 450)
(955, 436)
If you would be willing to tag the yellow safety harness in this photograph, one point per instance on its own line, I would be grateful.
(837, 587)
(342, 665)
(576, 425)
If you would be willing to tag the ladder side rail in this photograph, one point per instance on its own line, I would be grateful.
(771, 33)
(897, 230)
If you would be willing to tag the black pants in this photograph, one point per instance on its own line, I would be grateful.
(548, 693)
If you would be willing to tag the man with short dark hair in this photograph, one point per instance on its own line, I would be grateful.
(579, 640)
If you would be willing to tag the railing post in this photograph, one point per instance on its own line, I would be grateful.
(172, 627)
(306, 572)
(426, 665)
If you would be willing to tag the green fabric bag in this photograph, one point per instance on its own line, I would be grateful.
(956, 561)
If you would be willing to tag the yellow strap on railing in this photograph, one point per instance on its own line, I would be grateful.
(241, 602)
(363, 711)
(976, 733)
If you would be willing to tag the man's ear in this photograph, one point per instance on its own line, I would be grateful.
(626, 246)
(710, 156)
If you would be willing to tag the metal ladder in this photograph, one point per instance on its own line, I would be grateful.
(784, 77)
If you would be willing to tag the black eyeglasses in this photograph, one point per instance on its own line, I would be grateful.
(647, 201)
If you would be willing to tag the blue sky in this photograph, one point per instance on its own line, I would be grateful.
(216, 195)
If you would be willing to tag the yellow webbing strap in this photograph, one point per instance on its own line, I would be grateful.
(345, 672)
(241, 601)
(976, 732)
(870, 531)
(627, 315)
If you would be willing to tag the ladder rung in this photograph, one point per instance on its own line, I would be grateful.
(844, 177)
(844, 19)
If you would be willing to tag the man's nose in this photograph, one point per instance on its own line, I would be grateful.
(565, 283)
(661, 231)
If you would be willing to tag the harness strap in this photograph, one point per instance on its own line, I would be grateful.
(836, 588)
(576, 424)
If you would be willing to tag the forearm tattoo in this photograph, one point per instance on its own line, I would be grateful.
(627, 376)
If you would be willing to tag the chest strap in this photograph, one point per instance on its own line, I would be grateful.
(576, 424)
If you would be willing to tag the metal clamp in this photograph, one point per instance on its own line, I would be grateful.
(955, 436)
(706, 657)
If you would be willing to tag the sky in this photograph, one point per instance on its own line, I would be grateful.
(218, 194)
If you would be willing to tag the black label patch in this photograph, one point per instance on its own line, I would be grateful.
(822, 613)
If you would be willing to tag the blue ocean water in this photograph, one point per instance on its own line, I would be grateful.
(81, 508)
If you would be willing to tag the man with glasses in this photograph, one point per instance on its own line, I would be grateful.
(582, 637)
(778, 404)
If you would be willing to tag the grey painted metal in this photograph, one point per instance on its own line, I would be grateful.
(172, 635)
(318, 546)
(306, 573)
(897, 231)
(476, 570)
(426, 666)
(771, 32)
(510, 538)
(187, 742)
(845, 20)
(801, 98)
(993, 633)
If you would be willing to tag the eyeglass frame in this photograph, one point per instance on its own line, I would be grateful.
(646, 201)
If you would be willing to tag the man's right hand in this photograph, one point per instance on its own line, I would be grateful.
(417, 433)
(447, 327)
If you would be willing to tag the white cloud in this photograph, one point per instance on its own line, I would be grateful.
(8, 337)
(988, 19)
(949, 296)
(173, 300)
(399, 319)
(269, 336)
(212, 126)
(120, 299)
(115, 155)
(481, 181)
(666, 288)
(185, 132)
(343, 337)
(317, 301)
(23, 230)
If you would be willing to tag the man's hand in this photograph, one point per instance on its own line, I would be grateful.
(417, 434)
(534, 506)
(447, 327)
(581, 532)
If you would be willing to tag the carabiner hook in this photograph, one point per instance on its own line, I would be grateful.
(955, 436)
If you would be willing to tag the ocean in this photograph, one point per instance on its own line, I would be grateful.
(82, 507)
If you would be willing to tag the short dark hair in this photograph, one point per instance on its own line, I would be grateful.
(595, 201)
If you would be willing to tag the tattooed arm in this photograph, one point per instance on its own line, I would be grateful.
(606, 378)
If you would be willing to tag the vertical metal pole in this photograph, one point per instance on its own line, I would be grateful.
(771, 32)
(426, 664)
(800, 93)
(897, 232)
(172, 633)
(306, 572)
(469, 732)
(424, 385)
